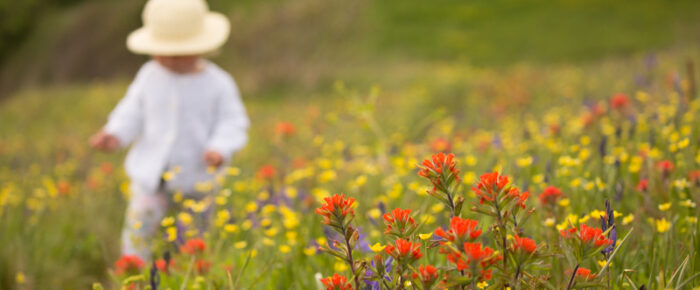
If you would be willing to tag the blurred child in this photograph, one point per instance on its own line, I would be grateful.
(181, 112)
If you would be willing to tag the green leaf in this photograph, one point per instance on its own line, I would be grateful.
(615, 252)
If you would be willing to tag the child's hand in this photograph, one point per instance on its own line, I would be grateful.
(213, 158)
(103, 141)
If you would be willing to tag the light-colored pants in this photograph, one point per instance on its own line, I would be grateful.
(144, 214)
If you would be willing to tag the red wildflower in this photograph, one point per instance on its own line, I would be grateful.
(440, 145)
(490, 186)
(128, 264)
(619, 101)
(285, 129)
(568, 232)
(439, 170)
(642, 185)
(587, 235)
(665, 166)
(266, 172)
(584, 273)
(527, 245)
(404, 251)
(164, 267)
(460, 230)
(474, 254)
(193, 247)
(298, 162)
(106, 168)
(336, 282)
(202, 266)
(336, 206)
(399, 219)
(550, 195)
(514, 192)
(694, 177)
(427, 275)
(554, 128)
(522, 198)
(63, 187)
(597, 109)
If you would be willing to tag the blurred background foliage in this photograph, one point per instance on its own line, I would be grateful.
(304, 45)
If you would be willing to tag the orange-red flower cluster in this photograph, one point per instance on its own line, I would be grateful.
(474, 254)
(202, 266)
(524, 244)
(642, 185)
(550, 195)
(584, 273)
(336, 206)
(399, 220)
(163, 266)
(440, 145)
(336, 282)
(440, 170)
(193, 247)
(665, 166)
(404, 251)
(266, 172)
(694, 177)
(461, 230)
(427, 275)
(490, 186)
(619, 101)
(128, 264)
(587, 235)
(285, 129)
(521, 197)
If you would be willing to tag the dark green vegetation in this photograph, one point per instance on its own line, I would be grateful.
(298, 47)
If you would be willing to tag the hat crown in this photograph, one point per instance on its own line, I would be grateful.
(174, 19)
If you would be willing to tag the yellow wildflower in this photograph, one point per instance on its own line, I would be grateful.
(240, 245)
(662, 225)
(377, 247)
(285, 249)
(628, 219)
(425, 236)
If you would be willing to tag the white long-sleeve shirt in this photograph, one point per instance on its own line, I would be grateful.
(172, 119)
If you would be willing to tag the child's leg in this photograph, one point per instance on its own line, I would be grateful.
(143, 215)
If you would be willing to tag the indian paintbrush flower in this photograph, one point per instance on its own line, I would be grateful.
(399, 223)
(404, 252)
(550, 195)
(490, 186)
(336, 282)
(337, 211)
(128, 264)
(193, 247)
(427, 275)
(460, 231)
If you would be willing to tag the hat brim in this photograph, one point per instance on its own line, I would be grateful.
(214, 34)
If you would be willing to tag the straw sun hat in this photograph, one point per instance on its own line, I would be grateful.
(178, 27)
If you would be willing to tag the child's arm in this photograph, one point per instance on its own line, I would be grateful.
(231, 130)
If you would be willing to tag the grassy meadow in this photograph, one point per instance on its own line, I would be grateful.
(353, 105)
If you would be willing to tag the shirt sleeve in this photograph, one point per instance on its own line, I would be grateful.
(230, 133)
(126, 119)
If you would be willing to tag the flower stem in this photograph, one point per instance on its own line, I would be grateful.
(350, 260)
(502, 229)
(571, 281)
(452, 204)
